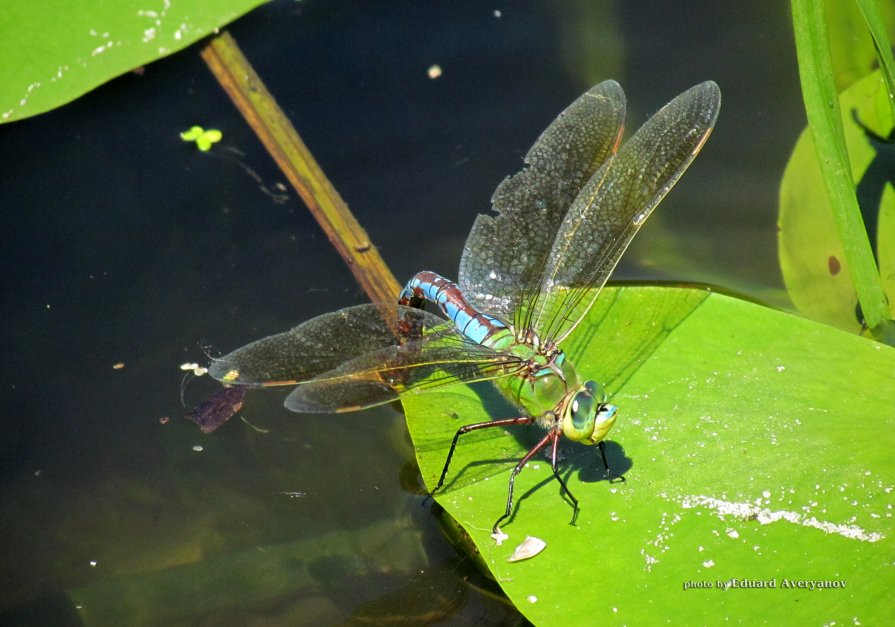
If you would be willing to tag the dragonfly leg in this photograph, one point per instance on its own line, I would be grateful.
(612, 477)
(562, 483)
(552, 436)
(504, 422)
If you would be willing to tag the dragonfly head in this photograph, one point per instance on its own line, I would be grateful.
(587, 417)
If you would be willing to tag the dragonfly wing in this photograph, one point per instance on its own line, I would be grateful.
(361, 356)
(316, 346)
(505, 254)
(614, 203)
(436, 360)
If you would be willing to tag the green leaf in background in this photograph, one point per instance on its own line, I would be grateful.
(876, 21)
(851, 47)
(755, 446)
(811, 255)
(55, 51)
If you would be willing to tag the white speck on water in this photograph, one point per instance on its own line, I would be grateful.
(497, 13)
(196, 369)
(198, 448)
(93, 563)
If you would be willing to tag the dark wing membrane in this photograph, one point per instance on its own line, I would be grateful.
(416, 366)
(505, 254)
(316, 346)
(363, 356)
(613, 205)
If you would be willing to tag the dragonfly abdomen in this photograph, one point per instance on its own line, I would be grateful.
(431, 286)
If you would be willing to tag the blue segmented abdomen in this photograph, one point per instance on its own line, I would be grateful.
(449, 298)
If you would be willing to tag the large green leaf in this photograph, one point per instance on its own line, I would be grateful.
(56, 50)
(755, 446)
(851, 46)
(811, 255)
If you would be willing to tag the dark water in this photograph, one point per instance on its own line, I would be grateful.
(124, 245)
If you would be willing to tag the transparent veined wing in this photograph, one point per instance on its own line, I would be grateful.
(505, 254)
(612, 206)
(360, 357)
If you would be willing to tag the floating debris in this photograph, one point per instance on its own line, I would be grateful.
(218, 409)
(258, 429)
(204, 139)
(499, 536)
(530, 547)
(196, 369)
(764, 515)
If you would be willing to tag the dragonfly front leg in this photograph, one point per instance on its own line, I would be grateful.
(612, 477)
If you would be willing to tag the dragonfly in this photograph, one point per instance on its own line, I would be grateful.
(529, 272)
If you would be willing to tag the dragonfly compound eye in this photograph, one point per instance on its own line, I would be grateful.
(579, 417)
(596, 390)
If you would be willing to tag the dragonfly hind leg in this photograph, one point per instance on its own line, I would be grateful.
(504, 422)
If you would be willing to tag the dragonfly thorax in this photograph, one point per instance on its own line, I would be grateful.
(546, 378)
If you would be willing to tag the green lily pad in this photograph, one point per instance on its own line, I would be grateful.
(755, 447)
(811, 256)
(55, 51)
